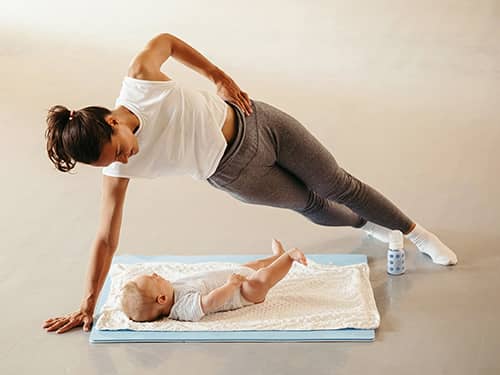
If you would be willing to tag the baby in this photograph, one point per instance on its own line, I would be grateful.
(149, 297)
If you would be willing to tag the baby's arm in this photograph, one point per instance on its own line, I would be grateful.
(217, 297)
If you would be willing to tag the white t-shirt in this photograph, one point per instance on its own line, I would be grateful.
(180, 130)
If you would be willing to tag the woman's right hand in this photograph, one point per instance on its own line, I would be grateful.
(228, 90)
(65, 323)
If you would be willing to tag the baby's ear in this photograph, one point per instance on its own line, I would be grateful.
(161, 299)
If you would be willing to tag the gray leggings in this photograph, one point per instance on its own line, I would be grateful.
(275, 161)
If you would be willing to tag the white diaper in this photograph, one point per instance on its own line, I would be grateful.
(237, 301)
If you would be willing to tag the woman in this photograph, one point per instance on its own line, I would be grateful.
(248, 148)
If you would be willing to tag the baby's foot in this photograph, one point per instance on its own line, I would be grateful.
(277, 247)
(297, 256)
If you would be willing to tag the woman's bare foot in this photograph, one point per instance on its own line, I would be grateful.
(277, 247)
(297, 256)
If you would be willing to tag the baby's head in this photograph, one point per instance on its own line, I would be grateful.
(147, 297)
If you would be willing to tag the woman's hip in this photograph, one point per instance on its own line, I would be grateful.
(258, 142)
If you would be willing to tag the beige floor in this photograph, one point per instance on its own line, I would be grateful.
(433, 320)
(406, 98)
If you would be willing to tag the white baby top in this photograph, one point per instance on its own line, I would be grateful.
(188, 291)
(180, 130)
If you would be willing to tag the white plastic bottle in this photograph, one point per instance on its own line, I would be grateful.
(396, 254)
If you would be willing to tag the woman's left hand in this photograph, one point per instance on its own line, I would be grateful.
(228, 90)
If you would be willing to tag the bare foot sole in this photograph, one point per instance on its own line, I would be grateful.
(297, 256)
(277, 247)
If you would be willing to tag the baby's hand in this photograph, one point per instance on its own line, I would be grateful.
(236, 279)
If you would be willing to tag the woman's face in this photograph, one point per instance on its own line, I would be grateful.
(123, 145)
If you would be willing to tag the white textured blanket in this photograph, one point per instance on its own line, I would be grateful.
(319, 296)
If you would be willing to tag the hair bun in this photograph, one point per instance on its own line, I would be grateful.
(58, 116)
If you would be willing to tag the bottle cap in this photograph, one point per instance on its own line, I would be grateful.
(396, 240)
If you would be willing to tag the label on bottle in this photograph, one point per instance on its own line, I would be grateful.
(396, 261)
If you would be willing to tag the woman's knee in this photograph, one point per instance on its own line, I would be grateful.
(326, 212)
(345, 189)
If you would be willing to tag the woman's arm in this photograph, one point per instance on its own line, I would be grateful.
(149, 61)
(164, 45)
(112, 202)
(98, 268)
(103, 249)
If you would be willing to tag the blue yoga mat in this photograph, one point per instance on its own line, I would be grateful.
(98, 336)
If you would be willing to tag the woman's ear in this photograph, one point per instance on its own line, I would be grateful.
(110, 120)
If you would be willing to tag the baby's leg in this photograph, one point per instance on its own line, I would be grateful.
(255, 288)
(261, 263)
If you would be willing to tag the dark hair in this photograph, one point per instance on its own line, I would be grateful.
(79, 139)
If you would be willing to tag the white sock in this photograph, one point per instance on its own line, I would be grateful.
(379, 232)
(429, 244)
